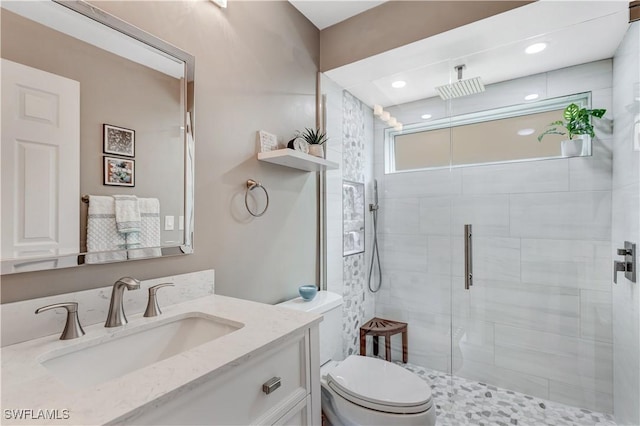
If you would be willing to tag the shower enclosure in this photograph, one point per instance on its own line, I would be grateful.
(542, 315)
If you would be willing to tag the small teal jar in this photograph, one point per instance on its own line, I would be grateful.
(308, 292)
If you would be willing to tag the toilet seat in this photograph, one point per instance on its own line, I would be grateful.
(379, 385)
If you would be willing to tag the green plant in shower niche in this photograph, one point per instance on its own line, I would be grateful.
(577, 121)
(314, 137)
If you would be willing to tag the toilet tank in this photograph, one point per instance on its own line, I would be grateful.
(329, 305)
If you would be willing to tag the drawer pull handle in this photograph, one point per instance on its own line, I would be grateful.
(271, 385)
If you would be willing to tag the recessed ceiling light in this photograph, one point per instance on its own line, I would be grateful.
(398, 84)
(535, 48)
(531, 97)
(525, 132)
(425, 116)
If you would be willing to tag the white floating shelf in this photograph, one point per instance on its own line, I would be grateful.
(297, 160)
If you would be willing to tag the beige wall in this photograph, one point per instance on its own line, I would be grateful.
(396, 23)
(116, 91)
(256, 66)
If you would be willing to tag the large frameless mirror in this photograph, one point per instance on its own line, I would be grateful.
(97, 141)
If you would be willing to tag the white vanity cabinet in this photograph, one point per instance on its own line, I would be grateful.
(218, 382)
(235, 394)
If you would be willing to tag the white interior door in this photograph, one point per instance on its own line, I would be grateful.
(40, 163)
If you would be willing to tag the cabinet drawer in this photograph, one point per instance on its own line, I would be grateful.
(299, 415)
(237, 396)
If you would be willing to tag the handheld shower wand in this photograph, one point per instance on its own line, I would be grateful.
(375, 254)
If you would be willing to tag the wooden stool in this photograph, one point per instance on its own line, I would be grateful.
(382, 327)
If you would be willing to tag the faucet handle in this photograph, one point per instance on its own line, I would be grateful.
(153, 309)
(72, 328)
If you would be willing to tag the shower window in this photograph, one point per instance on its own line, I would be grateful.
(500, 135)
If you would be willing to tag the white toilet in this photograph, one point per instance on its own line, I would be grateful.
(363, 390)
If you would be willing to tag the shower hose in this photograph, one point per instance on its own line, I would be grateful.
(375, 254)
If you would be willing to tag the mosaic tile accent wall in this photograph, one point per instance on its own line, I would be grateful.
(354, 302)
(353, 138)
(354, 274)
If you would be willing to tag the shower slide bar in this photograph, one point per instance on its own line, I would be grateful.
(468, 257)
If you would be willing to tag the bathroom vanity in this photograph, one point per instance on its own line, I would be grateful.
(211, 360)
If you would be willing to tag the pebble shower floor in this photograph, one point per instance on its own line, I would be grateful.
(465, 402)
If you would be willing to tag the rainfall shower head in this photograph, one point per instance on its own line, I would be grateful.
(461, 88)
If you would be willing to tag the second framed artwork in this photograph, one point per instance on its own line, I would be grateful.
(118, 140)
(119, 171)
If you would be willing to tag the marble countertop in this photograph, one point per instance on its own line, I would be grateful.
(27, 385)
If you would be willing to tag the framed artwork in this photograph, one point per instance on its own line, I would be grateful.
(352, 218)
(119, 171)
(118, 140)
(268, 141)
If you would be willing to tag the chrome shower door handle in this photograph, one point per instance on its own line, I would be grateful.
(468, 257)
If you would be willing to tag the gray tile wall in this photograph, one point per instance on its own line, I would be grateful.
(626, 226)
(539, 316)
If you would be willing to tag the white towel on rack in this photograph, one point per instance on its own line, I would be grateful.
(127, 213)
(148, 239)
(102, 234)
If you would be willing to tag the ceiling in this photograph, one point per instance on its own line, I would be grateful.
(576, 32)
(325, 13)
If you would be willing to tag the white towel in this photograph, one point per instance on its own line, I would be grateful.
(102, 233)
(127, 213)
(148, 239)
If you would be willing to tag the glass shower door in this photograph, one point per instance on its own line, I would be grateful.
(536, 320)
(414, 234)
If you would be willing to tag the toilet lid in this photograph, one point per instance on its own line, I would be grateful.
(379, 385)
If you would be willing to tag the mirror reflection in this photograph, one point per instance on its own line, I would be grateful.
(93, 141)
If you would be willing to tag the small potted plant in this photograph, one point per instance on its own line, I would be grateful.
(315, 139)
(577, 121)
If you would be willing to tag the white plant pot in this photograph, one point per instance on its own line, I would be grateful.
(572, 147)
(317, 150)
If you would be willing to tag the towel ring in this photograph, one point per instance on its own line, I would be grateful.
(251, 185)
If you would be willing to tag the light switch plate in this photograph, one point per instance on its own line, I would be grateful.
(168, 223)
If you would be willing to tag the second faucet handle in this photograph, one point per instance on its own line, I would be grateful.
(72, 328)
(153, 309)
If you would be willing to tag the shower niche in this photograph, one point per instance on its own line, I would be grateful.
(353, 218)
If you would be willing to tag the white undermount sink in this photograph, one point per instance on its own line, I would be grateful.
(134, 349)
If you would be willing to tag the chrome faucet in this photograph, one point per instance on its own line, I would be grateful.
(116, 315)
